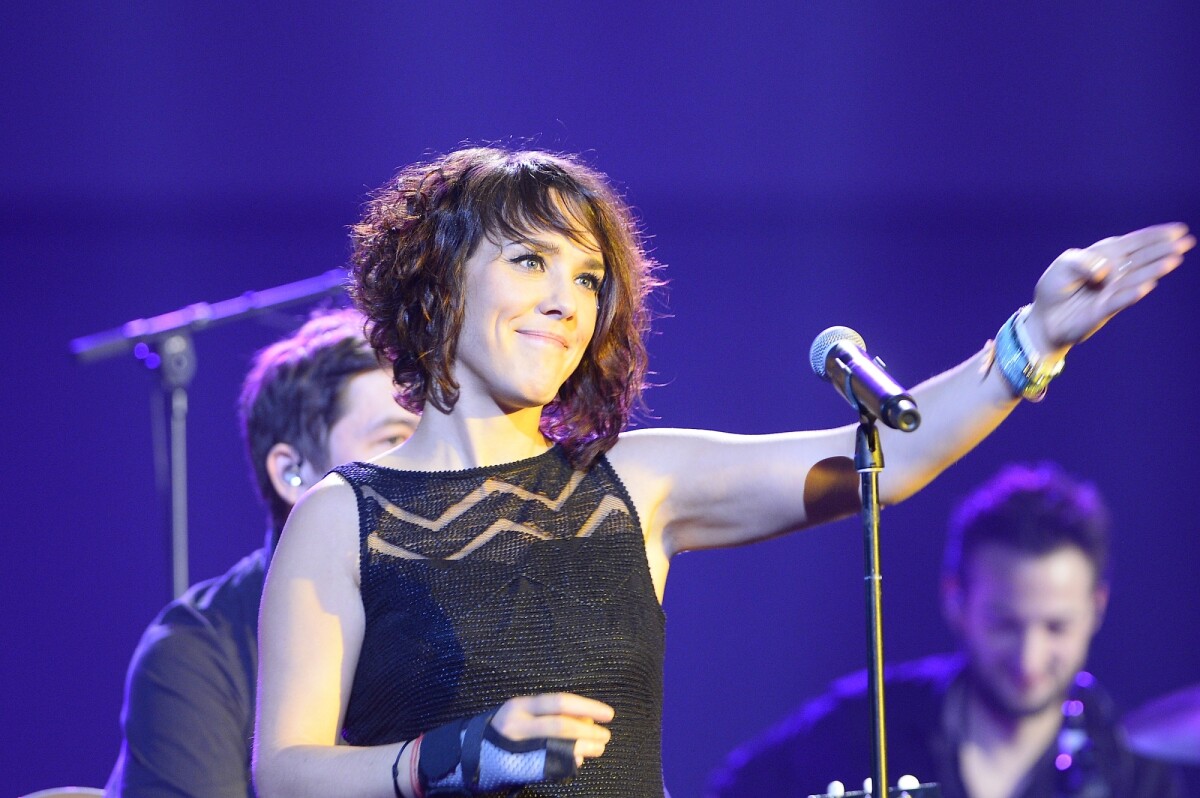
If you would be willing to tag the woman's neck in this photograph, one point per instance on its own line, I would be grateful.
(465, 439)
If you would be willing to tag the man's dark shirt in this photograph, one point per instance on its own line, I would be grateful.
(188, 719)
(830, 739)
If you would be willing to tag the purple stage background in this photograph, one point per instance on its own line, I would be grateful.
(907, 171)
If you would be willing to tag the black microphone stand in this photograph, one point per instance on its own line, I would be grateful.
(164, 344)
(868, 462)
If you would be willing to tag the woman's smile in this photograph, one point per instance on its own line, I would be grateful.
(545, 336)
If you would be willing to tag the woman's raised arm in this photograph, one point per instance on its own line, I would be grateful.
(699, 490)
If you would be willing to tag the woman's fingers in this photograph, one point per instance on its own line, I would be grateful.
(563, 715)
(564, 727)
(1139, 274)
(587, 749)
(569, 704)
(1160, 250)
(1146, 237)
(1084, 288)
(1150, 263)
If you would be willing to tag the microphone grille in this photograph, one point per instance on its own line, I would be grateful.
(826, 341)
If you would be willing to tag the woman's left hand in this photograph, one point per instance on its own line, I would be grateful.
(1084, 288)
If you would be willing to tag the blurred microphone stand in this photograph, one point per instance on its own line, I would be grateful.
(164, 344)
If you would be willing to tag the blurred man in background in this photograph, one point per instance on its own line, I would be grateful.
(1013, 715)
(313, 400)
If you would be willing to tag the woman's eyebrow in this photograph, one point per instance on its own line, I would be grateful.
(529, 241)
(596, 264)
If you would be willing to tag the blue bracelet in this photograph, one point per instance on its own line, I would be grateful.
(1027, 377)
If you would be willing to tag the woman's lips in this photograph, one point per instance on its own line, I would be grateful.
(546, 335)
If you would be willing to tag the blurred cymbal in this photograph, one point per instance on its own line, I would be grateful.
(1168, 727)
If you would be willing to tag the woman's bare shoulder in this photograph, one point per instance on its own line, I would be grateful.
(325, 520)
(333, 494)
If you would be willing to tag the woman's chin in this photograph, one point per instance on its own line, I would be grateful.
(533, 400)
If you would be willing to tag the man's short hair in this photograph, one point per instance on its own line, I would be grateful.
(294, 393)
(1034, 510)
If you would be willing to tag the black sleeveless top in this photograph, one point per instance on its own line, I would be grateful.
(489, 583)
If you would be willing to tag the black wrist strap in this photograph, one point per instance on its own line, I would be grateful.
(441, 750)
(472, 745)
(396, 769)
(560, 758)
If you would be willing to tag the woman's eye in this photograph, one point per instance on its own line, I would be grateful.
(530, 261)
(591, 282)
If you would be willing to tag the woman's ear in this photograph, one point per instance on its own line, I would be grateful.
(288, 472)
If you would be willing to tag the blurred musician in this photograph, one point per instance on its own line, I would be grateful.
(1013, 714)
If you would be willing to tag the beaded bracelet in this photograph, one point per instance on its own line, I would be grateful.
(1027, 374)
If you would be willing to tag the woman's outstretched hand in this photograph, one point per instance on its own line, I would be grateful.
(1084, 288)
(565, 716)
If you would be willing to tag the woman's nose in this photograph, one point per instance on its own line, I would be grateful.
(559, 298)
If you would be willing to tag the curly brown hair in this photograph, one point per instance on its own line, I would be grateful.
(419, 230)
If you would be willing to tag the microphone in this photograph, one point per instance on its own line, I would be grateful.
(839, 355)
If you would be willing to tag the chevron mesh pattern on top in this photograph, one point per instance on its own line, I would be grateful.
(488, 583)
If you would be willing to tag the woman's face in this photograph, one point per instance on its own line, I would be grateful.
(530, 311)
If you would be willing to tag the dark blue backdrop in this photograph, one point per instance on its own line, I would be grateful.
(907, 170)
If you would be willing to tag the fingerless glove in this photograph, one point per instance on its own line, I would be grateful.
(468, 757)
